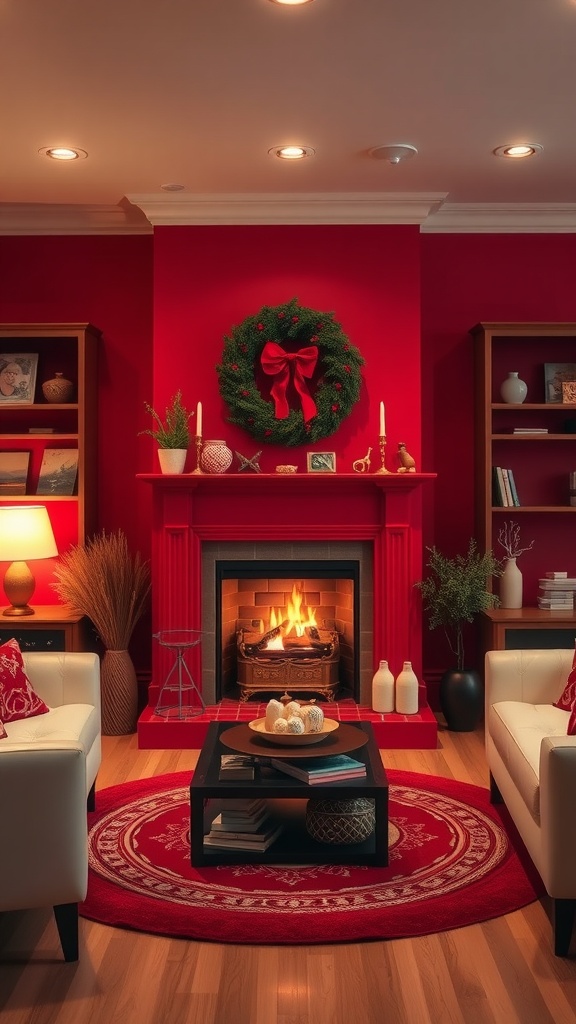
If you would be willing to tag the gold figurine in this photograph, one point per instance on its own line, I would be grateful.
(362, 465)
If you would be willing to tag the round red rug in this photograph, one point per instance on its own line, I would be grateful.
(452, 862)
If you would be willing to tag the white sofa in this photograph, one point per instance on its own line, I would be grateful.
(532, 766)
(48, 767)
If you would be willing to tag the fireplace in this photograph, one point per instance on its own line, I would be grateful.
(375, 518)
(287, 626)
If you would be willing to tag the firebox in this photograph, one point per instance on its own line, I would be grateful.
(287, 626)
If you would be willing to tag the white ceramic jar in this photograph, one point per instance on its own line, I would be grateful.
(383, 689)
(406, 696)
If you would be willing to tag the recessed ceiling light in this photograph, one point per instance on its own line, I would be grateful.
(63, 153)
(292, 3)
(518, 151)
(395, 153)
(291, 152)
(172, 186)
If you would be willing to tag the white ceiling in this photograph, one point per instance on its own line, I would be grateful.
(195, 92)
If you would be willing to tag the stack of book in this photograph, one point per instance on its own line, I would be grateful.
(242, 825)
(332, 768)
(530, 430)
(504, 493)
(557, 591)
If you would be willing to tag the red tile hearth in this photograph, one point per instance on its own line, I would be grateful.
(394, 732)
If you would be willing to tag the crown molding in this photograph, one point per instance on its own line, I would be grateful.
(72, 219)
(502, 218)
(139, 214)
(289, 208)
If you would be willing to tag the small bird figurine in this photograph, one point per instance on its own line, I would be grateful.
(407, 463)
(362, 465)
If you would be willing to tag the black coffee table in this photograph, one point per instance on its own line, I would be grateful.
(288, 798)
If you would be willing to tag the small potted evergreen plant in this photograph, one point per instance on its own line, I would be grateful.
(454, 593)
(172, 434)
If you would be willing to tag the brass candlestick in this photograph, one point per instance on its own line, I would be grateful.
(382, 446)
(198, 441)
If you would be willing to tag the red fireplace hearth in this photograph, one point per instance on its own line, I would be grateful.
(193, 513)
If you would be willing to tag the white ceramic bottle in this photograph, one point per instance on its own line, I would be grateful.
(383, 689)
(406, 699)
(513, 390)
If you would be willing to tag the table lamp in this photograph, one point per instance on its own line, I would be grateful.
(25, 533)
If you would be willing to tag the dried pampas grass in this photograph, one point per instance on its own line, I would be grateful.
(107, 584)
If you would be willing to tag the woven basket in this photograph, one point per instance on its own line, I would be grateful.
(340, 821)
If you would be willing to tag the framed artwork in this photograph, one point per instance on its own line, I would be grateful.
(58, 471)
(13, 472)
(569, 392)
(18, 377)
(554, 376)
(321, 462)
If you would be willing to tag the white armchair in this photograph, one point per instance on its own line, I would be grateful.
(532, 766)
(48, 767)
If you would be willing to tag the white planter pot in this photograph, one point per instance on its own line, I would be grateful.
(172, 460)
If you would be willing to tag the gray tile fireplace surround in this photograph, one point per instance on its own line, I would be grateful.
(360, 551)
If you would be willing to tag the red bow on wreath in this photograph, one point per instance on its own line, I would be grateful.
(276, 363)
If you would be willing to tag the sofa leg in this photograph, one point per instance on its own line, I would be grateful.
(495, 794)
(563, 911)
(91, 802)
(66, 915)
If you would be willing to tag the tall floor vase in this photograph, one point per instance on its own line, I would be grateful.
(119, 689)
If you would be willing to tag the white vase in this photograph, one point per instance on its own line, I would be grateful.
(383, 689)
(172, 460)
(511, 585)
(513, 390)
(406, 698)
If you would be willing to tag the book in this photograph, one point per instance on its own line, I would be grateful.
(512, 482)
(497, 495)
(236, 766)
(530, 430)
(500, 489)
(325, 769)
(233, 841)
(222, 824)
(507, 488)
(556, 575)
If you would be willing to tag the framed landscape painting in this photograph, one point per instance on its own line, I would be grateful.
(13, 472)
(18, 377)
(58, 471)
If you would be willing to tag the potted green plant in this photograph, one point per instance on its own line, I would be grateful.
(454, 593)
(172, 434)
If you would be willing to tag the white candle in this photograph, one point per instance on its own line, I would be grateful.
(382, 421)
(199, 420)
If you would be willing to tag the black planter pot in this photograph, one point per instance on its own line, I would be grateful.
(461, 699)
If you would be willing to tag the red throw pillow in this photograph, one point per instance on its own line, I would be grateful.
(17, 698)
(572, 724)
(3, 733)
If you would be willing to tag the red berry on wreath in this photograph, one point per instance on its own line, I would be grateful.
(260, 327)
(335, 407)
(295, 319)
(281, 315)
(234, 366)
(245, 394)
(267, 433)
(347, 368)
(314, 338)
(338, 386)
(243, 348)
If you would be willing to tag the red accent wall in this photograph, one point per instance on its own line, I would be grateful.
(191, 285)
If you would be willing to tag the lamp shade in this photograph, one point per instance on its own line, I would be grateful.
(25, 533)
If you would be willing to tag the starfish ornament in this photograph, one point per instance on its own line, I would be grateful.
(244, 462)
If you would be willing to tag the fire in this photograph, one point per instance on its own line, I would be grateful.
(295, 617)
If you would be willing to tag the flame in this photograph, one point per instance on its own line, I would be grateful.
(295, 617)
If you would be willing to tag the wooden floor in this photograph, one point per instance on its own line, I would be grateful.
(502, 972)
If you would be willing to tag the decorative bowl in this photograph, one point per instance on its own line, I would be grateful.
(286, 469)
(290, 739)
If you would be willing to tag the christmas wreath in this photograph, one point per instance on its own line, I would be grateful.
(289, 354)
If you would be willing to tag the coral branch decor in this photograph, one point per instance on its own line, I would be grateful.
(289, 375)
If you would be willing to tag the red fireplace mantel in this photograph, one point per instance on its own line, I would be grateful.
(194, 508)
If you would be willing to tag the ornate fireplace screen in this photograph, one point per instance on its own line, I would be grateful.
(294, 647)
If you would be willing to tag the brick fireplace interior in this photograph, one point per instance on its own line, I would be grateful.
(290, 624)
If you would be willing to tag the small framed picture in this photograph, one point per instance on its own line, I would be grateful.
(18, 377)
(321, 462)
(555, 374)
(13, 472)
(58, 471)
(569, 392)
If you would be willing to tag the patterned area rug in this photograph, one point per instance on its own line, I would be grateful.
(452, 862)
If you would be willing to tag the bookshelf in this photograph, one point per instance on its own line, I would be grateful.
(541, 462)
(31, 427)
